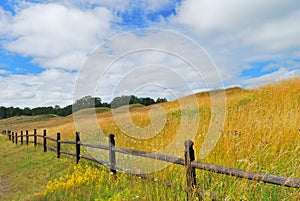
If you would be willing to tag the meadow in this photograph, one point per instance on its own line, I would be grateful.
(261, 133)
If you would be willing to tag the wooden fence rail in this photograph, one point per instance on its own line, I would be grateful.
(188, 161)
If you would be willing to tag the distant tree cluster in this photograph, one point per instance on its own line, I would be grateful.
(85, 102)
(127, 100)
(6, 112)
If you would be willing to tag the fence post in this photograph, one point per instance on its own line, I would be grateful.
(16, 138)
(45, 140)
(112, 154)
(189, 156)
(77, 147)
(27, 137)
(9, 135)
(21, 137)
(35, 137)
(12, 137)
(58, 145)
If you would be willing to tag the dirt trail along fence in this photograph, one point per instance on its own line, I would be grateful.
(188, 161)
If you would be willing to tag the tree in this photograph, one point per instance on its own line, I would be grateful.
(3, 112)
(27, 111)
(161, 100)
(147, 101)
(10, 112)
(97, 102)
(17, 111)
(134, 100)
(87, 102)
(106, 105)
(64, 111)
(120, 101)
(127, 100)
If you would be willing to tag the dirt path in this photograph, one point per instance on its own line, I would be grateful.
(4, 186)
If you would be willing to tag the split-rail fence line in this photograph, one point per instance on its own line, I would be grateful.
(188, 161)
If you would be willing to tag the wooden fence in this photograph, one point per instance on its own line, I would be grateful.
(188, 161)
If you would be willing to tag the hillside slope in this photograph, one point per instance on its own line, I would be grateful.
(261, 133)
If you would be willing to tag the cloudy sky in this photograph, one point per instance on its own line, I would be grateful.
(49, 49)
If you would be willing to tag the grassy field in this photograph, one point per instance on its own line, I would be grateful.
(26, 170)
(261, 133)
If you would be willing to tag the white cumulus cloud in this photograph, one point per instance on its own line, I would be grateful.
(276, 76)
(237, 33)
(56, 35)
(232, 15)
(51, 87)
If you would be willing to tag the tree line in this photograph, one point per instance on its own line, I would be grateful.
(85, 102)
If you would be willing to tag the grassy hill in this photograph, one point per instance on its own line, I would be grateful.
(89, 111)
(261, 133)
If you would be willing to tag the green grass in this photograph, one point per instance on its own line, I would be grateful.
(89, 111)
(130, 108)
(89, 181)
(28, 119)
(25, 170)
(29, 174)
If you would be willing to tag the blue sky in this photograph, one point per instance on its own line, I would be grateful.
(45, 44)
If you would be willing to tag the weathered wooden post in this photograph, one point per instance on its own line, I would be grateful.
(13, 137)
(58, 145)
(189, 156)
(16, 138)
(9, 135)
(35, 137)
(27, 137)
(77, 147)
(21, 137)
(45, 140)
(112, 154)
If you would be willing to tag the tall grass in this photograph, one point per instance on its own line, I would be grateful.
(87, 181)
(261, 133)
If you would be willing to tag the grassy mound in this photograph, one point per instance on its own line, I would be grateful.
(89, 111)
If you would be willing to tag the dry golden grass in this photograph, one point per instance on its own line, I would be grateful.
(261, 133)
(264, 121)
